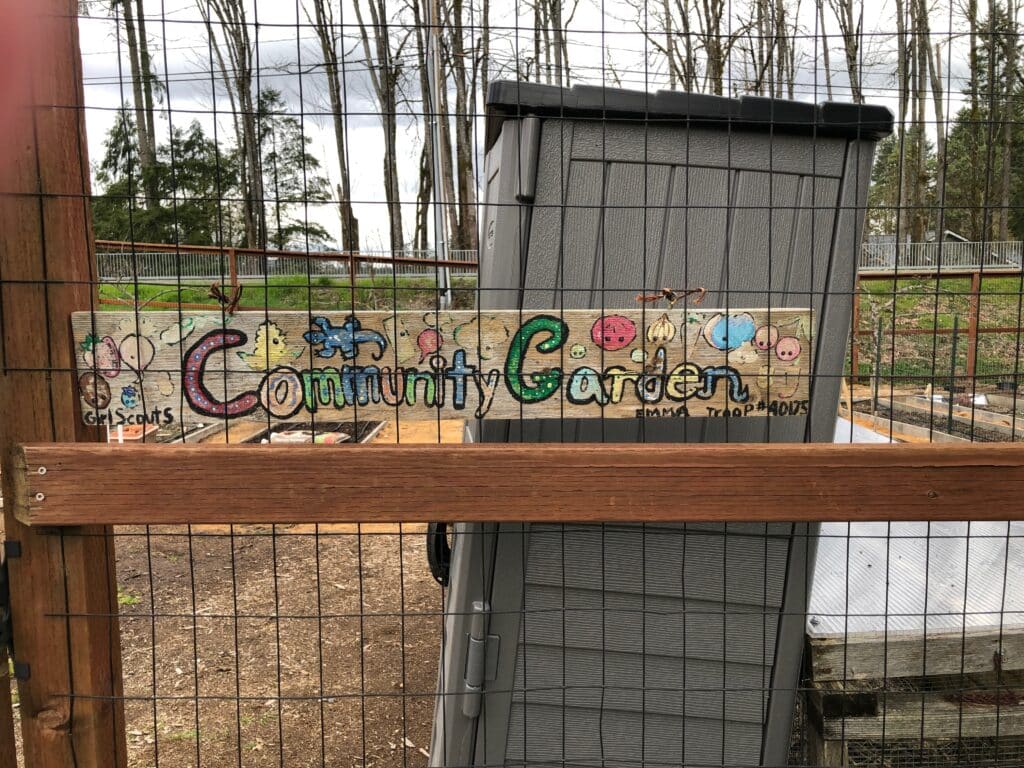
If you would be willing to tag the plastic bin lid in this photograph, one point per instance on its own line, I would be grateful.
(509, 99)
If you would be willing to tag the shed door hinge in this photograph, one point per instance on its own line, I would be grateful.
(481, 658)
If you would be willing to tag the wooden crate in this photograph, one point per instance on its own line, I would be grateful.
(906, 699)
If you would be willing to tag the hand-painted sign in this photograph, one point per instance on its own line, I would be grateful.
(165, 367)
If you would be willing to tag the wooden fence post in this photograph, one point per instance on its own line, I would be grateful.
(63, 589)
(233, 267)
(854, 345)
(972, 327)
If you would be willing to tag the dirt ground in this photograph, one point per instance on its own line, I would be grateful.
(287, 645)
(281, 645)
(278, 646)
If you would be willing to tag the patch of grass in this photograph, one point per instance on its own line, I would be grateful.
(188, 734)
(126, 596)
(10, 682)
(916, 303)
(297, 292)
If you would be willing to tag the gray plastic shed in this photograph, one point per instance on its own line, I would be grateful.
(618, 645)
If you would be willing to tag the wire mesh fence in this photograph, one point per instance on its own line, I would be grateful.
(535, 222)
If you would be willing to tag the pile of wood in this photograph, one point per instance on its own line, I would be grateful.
(948, 694)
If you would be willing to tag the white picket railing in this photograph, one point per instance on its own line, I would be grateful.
(877, 255)
(192, 266)
(890, 256)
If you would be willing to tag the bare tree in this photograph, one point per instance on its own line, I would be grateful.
(461, 71)
(463, 78)
(425, 191)
(483, 46)
(383, 47)
(786, 30)
(237, 72)
(142, 91)
(1008, 117)
(331, 47)
(933, 63)
(850, 16)
(770, 50)
(680, 30)
(904, 79)
(823, 32)
(550, 45)
(914, 65)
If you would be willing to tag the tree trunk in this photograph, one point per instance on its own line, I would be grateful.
(820, 5)
(447, 177)
(143, 118)
(935, 73)
(384, 71)
(485, 47)
(426, 187)
(850, 29)
(235, 33)
(975, 199)
(464, 236)
(713, 47)
(670, 46)
(420, 240)
(323, 22)
(1008, 119)
(690, 57)
(922, 46)
(147, 71)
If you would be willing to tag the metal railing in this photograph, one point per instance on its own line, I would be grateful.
(163, 262)
(886, 255)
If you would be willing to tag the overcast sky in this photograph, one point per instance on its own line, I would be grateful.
(606, 47)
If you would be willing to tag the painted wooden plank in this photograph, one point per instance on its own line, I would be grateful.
(927, 715)
(170, 367)
(878, 656)
(972, 418)
(585, 482)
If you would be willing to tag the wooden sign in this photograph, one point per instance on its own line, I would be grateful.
(168, 367)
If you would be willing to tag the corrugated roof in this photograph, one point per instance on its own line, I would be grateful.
(876, 577)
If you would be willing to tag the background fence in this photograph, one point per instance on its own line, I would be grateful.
(122, 262)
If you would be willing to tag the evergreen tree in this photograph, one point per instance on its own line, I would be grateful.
(884, 212)
(193, 180)
(193, 190)
(977, 150)
(291, 177)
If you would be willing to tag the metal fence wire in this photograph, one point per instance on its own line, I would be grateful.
(837, 184)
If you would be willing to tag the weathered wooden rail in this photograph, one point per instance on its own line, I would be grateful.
(519, 482)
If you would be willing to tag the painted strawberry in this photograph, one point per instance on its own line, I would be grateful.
(102, 356)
